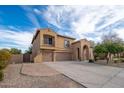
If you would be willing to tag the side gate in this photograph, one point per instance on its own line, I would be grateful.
(26, 57)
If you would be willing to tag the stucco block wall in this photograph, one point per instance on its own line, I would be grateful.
(16, 58)
(31, 58)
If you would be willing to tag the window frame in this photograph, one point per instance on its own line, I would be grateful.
(48, 40)
(66, 43)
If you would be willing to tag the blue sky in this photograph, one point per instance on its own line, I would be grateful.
(19, 23)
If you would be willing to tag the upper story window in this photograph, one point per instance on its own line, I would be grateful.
(66, 43)
(48, 40)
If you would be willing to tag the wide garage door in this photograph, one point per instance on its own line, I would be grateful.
(47, 56)
(63, 56)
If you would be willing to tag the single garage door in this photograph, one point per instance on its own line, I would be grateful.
(63, 56)
(47, 56)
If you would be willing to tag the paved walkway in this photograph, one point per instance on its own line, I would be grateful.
(91, 75)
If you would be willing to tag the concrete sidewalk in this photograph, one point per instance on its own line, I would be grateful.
(91, 75)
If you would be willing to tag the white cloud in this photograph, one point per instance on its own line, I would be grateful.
(83, 20)
(11, 38)
(37, 11)
(30, 14)
(120, 33)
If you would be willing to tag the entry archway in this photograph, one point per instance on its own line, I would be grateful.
(85, 52)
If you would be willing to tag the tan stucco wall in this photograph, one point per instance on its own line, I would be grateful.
(60, 42)
(36, 46)
(74, 50)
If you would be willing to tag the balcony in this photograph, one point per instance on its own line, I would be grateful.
(48, 45)
(48, 41)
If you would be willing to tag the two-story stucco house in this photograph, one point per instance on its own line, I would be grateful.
(48, 46)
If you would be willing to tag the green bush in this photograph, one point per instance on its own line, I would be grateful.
(3, 64)
(1, 75)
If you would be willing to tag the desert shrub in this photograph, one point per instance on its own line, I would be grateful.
(4, 55)
(4, 58)
(1, 75)
(3, 64)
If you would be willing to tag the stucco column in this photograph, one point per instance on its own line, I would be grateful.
(81, 53)
(38, 58)
(91, 53)
(54, 56)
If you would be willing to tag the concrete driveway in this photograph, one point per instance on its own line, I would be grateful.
(90, 74)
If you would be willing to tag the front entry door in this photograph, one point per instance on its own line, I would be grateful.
(78, 54)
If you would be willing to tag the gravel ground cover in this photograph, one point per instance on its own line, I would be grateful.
(13, 79)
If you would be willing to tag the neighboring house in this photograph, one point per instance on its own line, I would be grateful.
(48, 46)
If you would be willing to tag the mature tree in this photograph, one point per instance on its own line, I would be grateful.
(15, 51)
(100, 50)
(29, 51)
(110, 45)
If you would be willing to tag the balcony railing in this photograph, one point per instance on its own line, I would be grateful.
(48, 45)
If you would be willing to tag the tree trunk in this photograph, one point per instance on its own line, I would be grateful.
(107, 58)
(110, 58)
(119, 57)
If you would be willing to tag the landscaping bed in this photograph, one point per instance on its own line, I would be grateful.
(116, 60)
(115, 64)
